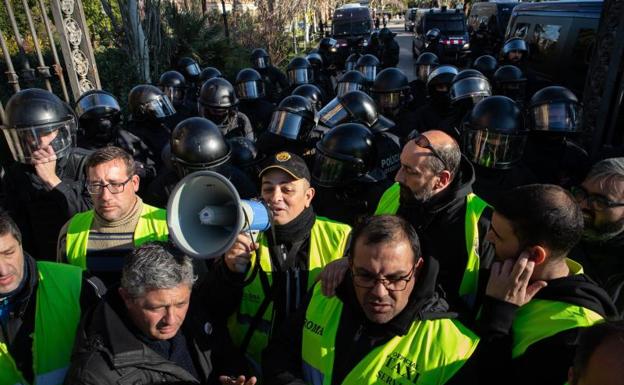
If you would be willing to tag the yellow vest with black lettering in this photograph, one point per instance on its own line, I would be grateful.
(430, 353)
(152, 226)
(540, 318)
(389, 204)
(57, 313)
(328, 240)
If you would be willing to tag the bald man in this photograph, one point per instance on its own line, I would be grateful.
(433, 191)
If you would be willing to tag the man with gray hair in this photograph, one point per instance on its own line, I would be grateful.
(146, 332)
(601, 196)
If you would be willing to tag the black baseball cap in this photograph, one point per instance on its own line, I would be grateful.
(290, 163)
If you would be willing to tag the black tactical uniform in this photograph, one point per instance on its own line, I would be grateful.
(218, 103)
(275, 81)
(252, 99)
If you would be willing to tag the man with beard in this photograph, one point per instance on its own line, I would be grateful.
(433, 191)
(601, 196)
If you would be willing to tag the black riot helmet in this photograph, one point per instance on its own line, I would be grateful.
(249, 84)
(439, 85)
(316, 61)
(346, 153)
(368, 65)
(260, 58)
(245, 156)
(433, 35)
(385, 35)
(390, 90)
(34, 119)
(486, 64)
(98, 115)
(312, 93)
(354, 106)
(148, 103)
(189, 68)
(197, 144)
(426, 62)
(173, 84)
(516, 44)
(327, 48)
(293, 118)
(350, 81)
(209, 73)
(511, 82)
(494, 135)
(470, 84)
(216, 98)
(555, 109)
(351, 61)
(299, 71)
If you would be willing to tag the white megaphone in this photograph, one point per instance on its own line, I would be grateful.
(205, 214)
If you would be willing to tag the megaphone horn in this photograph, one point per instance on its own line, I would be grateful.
(205, 214)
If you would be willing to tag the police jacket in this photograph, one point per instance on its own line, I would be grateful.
(434, 117)
(110, 350)
(23, 327)
(155, 136)
(275, 82)
(259, 112)
(389, 54)
(356, 337)
(441, 224)
(40, 214)
(537, 342)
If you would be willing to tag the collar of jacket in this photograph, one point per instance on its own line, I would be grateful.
(22, 298)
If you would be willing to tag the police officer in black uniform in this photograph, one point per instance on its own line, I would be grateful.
(44, 187)
(173, 84)
(432, 42)
(190, 69)
(299, 71)
(554, 121)
(510, 81)
(275, 81)
(218, 103)
(346, 174)
(469, 87)
(252, 99)
(389, 52)
(392, 95)
(369, 66)
(493, 140)
(197, 144)
(322, 78)
(328, 49)
(436, 113)
(423, 66)
(312, 93)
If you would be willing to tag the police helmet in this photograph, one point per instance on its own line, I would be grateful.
(386, 34)
(209, 73)
(311, 92)
(354, 106)
(299, 71)
(470, 84)
(98, 115)
(390, 89)
(511, 82)
(216, 97)
(148, 103)
(425, 63)
(351, 61)
(555, 109)
(245, 156)
(316, 60)
(515, 44)
(433, 35)
(350, 81)
(368, 65)
(486, 64)
(173, 84)
(260, 58)
(293, 118)
(189, 68)
(249, 84)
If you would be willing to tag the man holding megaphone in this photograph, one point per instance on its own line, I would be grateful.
(258, 283)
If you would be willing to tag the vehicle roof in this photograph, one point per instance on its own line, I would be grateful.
(352, 12)
(561, 6)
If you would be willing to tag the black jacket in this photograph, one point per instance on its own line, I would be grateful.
(110, 350)
(434, 117)
(259, 112)
(20, 325)
(546, 361)
(389, 54)
(275, 83)
(40, 214)
(440, 224)
(490, 184)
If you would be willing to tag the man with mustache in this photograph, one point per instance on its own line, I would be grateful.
(259, 282)
(433, 192)
(601, 197)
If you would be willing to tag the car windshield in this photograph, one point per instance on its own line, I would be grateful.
(447, 26)
(361, 27)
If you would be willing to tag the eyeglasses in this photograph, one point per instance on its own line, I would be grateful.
(423, 141)
(113, 187)
(595, 201)
(368, 281)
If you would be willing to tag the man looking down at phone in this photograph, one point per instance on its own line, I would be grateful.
(537, 300)
(259, 282)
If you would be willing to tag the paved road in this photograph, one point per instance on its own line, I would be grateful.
(406, 63)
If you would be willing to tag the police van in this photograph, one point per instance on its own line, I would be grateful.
(351, 26)
(452, 25)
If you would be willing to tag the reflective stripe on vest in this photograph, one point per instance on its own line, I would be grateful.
(389, 204)
(430, 353)
(328, 240)
(152, 226)
(540, 318)
(56, 319)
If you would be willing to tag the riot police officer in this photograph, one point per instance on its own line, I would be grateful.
(209, 73)
(173, 84)
(511, 82)
(346, 174)
(252, 99)
(275, 81)
(432, 42)
(468, 88)
(218, 103)
(392, 95)
(358, 107)
(152, 116)
(190, 69)
(436, 113)
(515, 52)
(312, 93)
(299, 71)
(321, 76)
(423, 66)
(389, 49)
(487, 65)
(493, 140)
(554, 115)
(44, 187)
(246, 157)
(197, 144)
(350, 81)
(372, 46)
(328, 49)
(369, 66)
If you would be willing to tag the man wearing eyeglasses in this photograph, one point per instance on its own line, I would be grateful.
(99, 239)
(600, 251)
(386, 324)
(433, 191)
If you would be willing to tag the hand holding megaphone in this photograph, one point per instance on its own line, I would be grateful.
(238, 257)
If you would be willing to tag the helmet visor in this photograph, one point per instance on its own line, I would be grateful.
(331, 172)
(300, 76)
(388, 100)
(556, 117)
(333, 114)
(492, 149)
(250, 90)
(192, 69)
(288, 125)
(159, 108)
(350, 65)
(261, 62)
(42, 143)
(175, 94)
(369, 72)
(422, 72)
(97, 104)
(344, 87)
(470, 88)
(515, 45)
